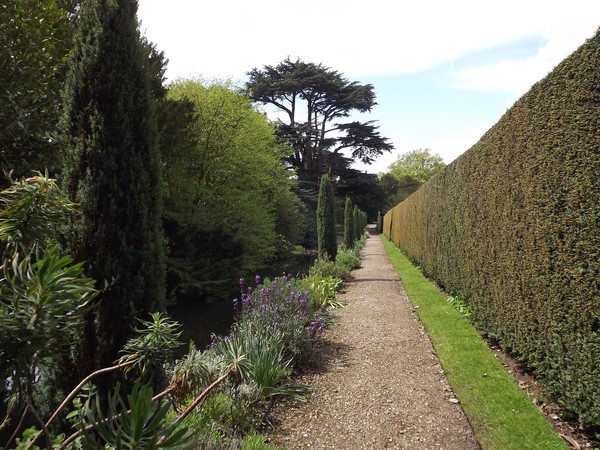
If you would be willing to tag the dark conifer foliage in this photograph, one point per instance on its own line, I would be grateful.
(112, 168)
(326, 236)
(358, 226)
(348, 223)
(313, 98)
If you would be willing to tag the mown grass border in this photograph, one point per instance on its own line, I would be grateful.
(501, 414)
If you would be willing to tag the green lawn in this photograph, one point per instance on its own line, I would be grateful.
(501, 414)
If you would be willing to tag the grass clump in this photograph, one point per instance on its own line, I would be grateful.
(502, 415)
(348, 258)
(256, 442)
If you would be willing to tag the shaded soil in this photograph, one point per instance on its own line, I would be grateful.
(576, 437)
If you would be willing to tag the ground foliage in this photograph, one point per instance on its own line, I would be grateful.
(512, 228)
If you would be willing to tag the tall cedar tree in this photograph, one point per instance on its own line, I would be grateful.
(313, 98)
(348, 224)
(326, 236)
(112, 169)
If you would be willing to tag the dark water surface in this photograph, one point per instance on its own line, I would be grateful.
(200, 319)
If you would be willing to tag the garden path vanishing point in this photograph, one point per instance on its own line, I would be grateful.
(376, 382)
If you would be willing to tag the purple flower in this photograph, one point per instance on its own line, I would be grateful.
(242, 283)
(245, 301)
(257, 279)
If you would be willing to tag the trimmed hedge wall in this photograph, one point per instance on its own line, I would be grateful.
(513, 227)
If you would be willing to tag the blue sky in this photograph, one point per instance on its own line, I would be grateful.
(443, 72)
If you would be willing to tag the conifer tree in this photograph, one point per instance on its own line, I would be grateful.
(326, 236)
(349, 224)
(357, 223)
(112, 169)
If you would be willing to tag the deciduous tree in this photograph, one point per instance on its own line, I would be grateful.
(225, 182)
(418, 164)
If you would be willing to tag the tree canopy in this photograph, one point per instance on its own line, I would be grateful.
(418, 164)
(35, 40)
(407, 174)
(312, 100)
(224, 179)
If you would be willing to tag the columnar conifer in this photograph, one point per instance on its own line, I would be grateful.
(112, 169)
(357, 223)
(349, 232)
(326, 236)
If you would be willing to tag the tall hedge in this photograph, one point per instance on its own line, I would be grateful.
(513, 227)
(326, 235)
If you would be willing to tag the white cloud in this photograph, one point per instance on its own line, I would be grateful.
(360, 38)
(563, 32)
(229, 37)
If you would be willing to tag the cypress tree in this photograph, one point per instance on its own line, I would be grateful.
(349, 224)
(326, 236)
(112, 169)
(357, 222)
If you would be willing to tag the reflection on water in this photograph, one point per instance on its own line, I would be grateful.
(200, 319)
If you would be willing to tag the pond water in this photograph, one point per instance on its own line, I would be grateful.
(200, 319)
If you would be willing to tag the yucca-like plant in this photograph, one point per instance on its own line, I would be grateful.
(264, 362)
(43, 294)
(139, 423)
(42, 298)
(151, 347)
(192, 373)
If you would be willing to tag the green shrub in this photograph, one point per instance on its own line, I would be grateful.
(327, 268)
(347, 260)
(323, 290)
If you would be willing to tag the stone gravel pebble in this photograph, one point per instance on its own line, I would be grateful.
(376, 382)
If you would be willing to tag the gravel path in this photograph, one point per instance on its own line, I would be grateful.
(376, 381)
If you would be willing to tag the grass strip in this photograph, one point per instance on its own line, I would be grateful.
(502, 415)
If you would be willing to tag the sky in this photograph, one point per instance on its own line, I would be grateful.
(444, 72)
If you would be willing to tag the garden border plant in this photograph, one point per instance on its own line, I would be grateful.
(501, 414)
(239, 376)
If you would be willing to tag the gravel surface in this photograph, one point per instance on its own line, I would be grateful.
(376, 382)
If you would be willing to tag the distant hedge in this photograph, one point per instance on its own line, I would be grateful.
(513, 227)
